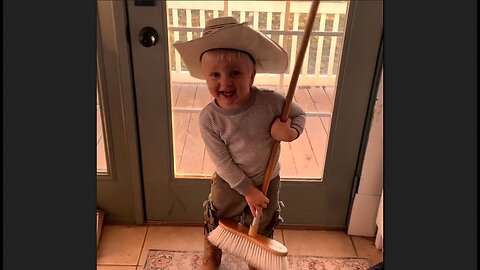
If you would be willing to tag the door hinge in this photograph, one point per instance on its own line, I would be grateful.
(147, 3)
(356, 183)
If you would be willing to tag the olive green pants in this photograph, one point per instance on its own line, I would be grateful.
(226, 203)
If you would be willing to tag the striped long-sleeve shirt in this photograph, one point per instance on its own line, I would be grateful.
(239, 141)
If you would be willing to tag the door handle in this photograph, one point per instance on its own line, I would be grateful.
(148, 36)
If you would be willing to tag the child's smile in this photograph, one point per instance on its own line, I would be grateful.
(229, 76)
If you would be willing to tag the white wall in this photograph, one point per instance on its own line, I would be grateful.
(367, 199)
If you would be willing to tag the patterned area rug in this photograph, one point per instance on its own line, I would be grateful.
(186, 260)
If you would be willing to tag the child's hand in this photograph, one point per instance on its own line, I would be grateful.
(256, 201)
(282, 131)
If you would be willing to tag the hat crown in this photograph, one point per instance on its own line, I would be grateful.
(228, 33)
(213, 25)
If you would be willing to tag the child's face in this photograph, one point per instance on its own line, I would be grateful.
(229, 76)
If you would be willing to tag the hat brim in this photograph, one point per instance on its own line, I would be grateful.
(269, 57)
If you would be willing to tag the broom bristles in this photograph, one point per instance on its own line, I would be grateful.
(259, 251)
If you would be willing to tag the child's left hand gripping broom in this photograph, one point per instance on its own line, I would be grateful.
(259, 251)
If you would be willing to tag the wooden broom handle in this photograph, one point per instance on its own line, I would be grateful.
(286, 107)
(291, 91)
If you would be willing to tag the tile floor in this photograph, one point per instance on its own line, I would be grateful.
(125, 247)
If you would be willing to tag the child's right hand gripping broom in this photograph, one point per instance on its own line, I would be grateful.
(259, 251)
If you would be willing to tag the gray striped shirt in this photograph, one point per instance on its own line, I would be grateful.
(239, 141)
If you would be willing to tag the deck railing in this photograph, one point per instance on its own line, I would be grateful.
(283, 21)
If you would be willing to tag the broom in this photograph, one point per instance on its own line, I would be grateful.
(260, 251)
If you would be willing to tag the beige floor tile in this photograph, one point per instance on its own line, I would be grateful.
(120, 245)
(365, 247)
(319, 243)
(116, 267)
(172, 238)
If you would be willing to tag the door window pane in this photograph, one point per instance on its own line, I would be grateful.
(284, 22)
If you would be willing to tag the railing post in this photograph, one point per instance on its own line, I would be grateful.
(333, 46)
(283, 42)
(318, 59)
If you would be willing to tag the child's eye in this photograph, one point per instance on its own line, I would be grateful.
(235, 73)
(215, 75)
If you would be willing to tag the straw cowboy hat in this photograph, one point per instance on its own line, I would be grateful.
(228, 33)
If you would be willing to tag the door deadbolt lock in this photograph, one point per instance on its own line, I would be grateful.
(148, 36)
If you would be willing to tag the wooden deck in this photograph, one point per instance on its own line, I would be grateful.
(303, 158)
